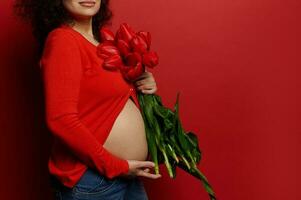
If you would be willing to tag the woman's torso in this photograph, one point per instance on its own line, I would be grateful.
(127, 138)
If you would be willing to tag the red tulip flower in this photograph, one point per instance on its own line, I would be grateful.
(150, 59)
(125, 32)
(110, 53)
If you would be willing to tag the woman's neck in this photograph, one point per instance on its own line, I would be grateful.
(84, 26)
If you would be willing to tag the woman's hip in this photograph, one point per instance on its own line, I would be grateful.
(93, 186)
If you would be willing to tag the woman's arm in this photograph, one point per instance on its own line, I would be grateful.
(61, 73)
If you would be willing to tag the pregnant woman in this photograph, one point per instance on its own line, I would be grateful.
(100, 148)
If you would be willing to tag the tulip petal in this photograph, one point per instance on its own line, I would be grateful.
(133, 58)
(146, 36)
(112, 63)
(107, 49)
(125, 32)
(135, 72)
(150, 59)
(123, 47)
(138, 44)
(106, 34)
(124, 68)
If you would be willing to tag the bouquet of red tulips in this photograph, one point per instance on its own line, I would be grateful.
(168, 143)
(127, 51)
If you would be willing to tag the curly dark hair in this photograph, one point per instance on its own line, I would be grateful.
(45, 15)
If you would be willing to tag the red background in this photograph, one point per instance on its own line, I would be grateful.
(235, 66)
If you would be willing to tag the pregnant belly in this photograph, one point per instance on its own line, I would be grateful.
(127, 138)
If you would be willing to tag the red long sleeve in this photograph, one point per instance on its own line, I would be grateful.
(62, 72)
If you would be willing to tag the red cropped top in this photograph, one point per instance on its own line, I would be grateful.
(82, 101)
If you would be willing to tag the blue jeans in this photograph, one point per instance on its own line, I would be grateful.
(95, 186)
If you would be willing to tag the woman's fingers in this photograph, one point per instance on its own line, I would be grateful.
(146, 77)
(142, 168)
(148, 88)
(146, 83)
(143, 75)
(151, 91)
(147, 174)
(143, 164)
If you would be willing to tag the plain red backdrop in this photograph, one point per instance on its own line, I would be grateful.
(235, 66)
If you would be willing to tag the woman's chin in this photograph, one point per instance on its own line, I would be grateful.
(84, 15)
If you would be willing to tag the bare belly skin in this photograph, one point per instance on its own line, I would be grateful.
(127, 138)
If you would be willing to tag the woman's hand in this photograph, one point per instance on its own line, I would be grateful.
(142, 168)
(146, 83)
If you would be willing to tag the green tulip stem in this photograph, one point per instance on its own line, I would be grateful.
(173, 154)
(186, 162)
(191, 157)
(167, 164)
(204, 180)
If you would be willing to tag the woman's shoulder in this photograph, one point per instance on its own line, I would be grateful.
(61, 35)
(60, 41)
